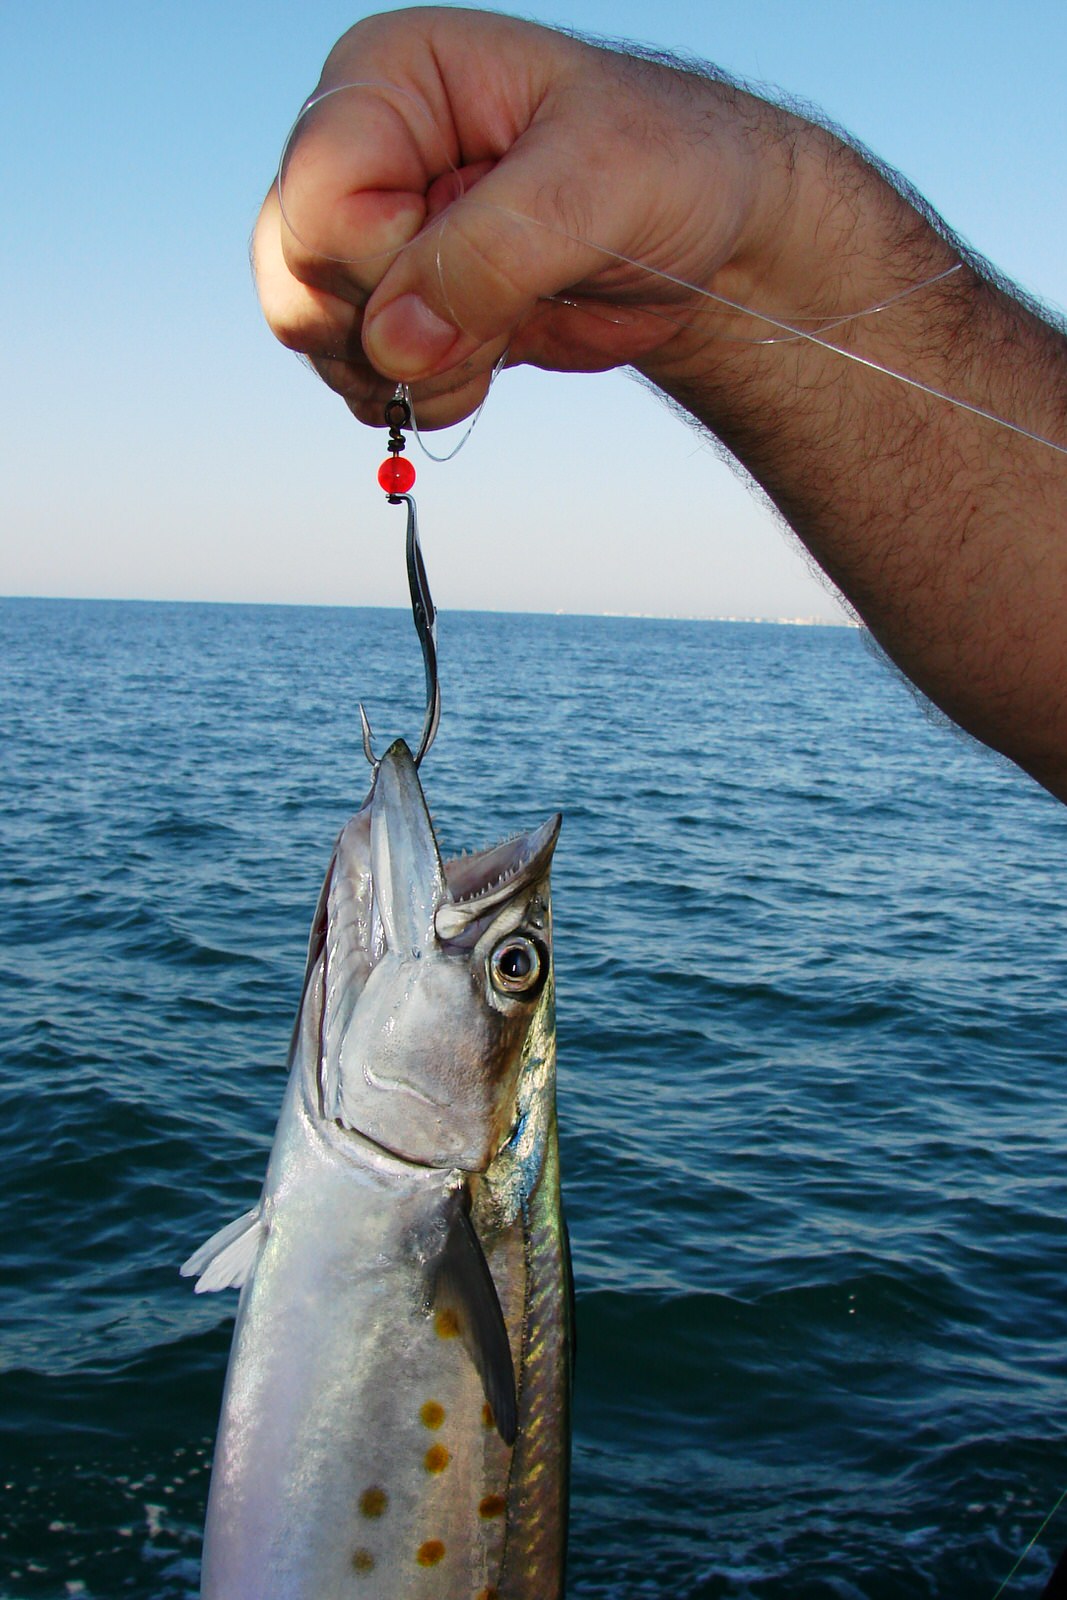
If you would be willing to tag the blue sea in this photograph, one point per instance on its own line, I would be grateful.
(812, 978)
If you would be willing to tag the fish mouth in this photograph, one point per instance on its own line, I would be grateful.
(480, 882)
(421, 898)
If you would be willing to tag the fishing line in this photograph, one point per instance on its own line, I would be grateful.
(448, 455)
(851, 316)
(795, 332)
(1030, 1546)
(594, 308)
(787, 329)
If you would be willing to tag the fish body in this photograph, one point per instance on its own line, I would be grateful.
(396, 1414)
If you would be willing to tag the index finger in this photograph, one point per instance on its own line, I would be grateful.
(353, 184)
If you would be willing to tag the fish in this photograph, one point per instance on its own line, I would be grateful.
(396, 1413)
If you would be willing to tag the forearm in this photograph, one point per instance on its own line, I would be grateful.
(946, 532)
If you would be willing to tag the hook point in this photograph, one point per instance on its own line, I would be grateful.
(368, 750)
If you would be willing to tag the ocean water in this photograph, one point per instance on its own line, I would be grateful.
(812, 1001)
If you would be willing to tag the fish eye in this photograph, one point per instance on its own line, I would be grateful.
(517, 966)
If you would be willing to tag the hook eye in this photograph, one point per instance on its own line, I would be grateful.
(397, 414)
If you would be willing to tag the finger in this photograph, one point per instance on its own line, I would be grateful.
(472, 276)
(352, 185)
(523, 232)
(453, 185)
(362, 168)
(437, 403)
(306, 319)
(357, 384)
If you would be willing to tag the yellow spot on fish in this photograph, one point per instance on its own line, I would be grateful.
(487, 1594)
(363, 1561)
(432, 1414)
(372, 1502)
(446, 1324)
(488, 1419)
(436, 1458)
(430, 1553)
(493, 1505)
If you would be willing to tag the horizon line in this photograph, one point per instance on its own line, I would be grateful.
(335, 605)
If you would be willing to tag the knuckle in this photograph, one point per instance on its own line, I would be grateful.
(291, 329)
(483, 271)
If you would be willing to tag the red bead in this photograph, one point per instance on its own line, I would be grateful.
(396, 475)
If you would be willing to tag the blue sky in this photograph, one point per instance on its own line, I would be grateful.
(156, 443)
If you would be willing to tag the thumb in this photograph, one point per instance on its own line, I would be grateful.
(470, 278)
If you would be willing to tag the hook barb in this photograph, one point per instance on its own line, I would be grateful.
(368, 750)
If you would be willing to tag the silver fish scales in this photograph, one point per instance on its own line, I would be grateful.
(396, 1414)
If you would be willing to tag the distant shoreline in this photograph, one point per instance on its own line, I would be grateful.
(446, 610)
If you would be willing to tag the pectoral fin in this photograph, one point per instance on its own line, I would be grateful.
(228, 1257)
(462, 1285)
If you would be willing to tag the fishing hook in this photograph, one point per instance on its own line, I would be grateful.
(424, 616)
(423, 610)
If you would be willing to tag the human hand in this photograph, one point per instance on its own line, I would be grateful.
(492, 186)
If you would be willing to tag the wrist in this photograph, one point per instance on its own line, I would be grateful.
(825, 236)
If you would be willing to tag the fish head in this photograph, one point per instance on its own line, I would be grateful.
(437, 978)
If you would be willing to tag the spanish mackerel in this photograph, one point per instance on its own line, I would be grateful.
(395, 1423)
